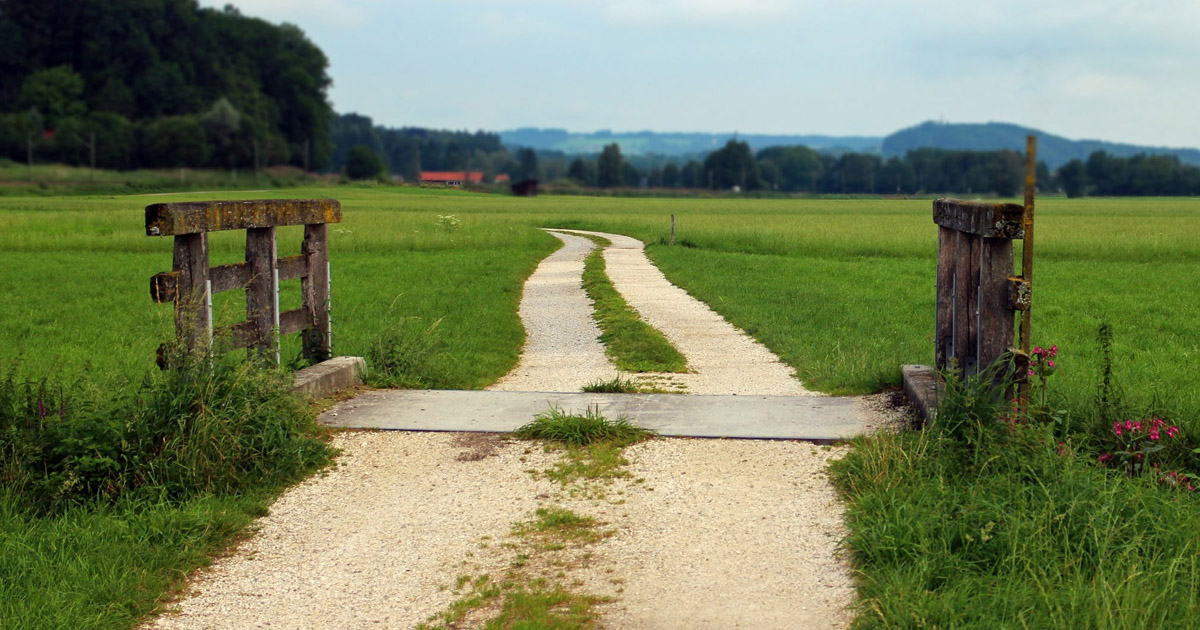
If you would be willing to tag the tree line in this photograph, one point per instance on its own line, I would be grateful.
(800, 169)
(153, 83)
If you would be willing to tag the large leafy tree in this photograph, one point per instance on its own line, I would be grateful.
(148, 59)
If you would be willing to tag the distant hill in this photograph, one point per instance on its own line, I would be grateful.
(674, 144)
(1053, 150)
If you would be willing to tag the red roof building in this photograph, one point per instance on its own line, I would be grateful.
(451, 178)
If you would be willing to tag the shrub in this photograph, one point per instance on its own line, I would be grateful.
(209, 425)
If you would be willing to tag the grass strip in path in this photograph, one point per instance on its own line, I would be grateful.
(633, 345)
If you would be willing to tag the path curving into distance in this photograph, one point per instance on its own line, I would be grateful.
(723, 359)
(562, 350)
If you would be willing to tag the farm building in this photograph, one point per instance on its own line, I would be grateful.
(451, 178)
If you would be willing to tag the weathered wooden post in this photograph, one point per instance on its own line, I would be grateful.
(191, 282)
(978, 292)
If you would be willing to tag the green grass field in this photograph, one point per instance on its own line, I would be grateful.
(841, 289)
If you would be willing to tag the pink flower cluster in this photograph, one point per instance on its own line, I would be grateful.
(1153, 430)
(1043, 360)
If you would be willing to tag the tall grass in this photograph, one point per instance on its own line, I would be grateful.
(986, 521)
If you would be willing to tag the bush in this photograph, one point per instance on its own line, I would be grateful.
(363, 163)
(210, 425)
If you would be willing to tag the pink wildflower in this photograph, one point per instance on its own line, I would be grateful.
(1050, 364)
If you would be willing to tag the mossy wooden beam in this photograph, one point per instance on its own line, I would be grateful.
(981, 218)
(172, 219)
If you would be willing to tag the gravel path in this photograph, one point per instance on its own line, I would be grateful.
(722, 358)
(720, 534)
(373, 543)
(562, 351)
(729, 534)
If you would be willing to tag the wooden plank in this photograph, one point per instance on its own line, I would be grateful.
(993, 220)
(193, 308)
(964, 306)
(239, 335)
(229, 277)
(166, 219)
(292, 267)
(293, 321)
(943, 334)
(164, 287)
(971, 365)
(262, 291)
(996, 316)
(317, 344)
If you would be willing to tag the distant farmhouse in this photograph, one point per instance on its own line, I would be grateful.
(456, 178)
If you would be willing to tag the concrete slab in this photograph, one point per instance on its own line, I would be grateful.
(330, 376)
(921, 386)
(816, 418)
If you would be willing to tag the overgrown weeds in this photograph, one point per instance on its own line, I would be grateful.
(406, 354)
(996, 518)
(593, 447)
(589, 427)
(210, 425)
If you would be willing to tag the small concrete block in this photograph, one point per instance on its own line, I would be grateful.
(920, 384)
(330, 376)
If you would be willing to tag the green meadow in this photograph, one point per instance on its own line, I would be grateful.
(842, 289)
(1011, 533)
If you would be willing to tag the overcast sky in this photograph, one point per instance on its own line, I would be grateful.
(1102, 69)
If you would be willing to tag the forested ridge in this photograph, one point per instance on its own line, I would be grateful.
(159, 83)
(166, 83)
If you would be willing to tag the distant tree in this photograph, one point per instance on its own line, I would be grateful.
(1008, 173)
(174, 141)
(733, 165)
(580, 172)
(1073, 178)
(608, 167)
(799, 167)
(692, 175)
(55, 93)
(363, 163)
(670, 175)
(896, 177)
(630, 175)
(527, 165)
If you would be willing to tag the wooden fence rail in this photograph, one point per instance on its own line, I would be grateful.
(191, 283)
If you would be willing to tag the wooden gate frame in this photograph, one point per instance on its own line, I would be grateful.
(191, 282)
(978, 292)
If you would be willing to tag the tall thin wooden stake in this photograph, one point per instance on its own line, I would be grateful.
(1027, 257)
(672, 229)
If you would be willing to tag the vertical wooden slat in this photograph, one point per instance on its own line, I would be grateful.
(963, 308)
(315, 289)
(943, 332)
(193, 313)
(996, 312)
(261, 292)
(970, 259)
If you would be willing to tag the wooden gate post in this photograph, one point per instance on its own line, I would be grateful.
(317, 340)
(262, 293)
(191, 282)
(192, 293)
(977, 294)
